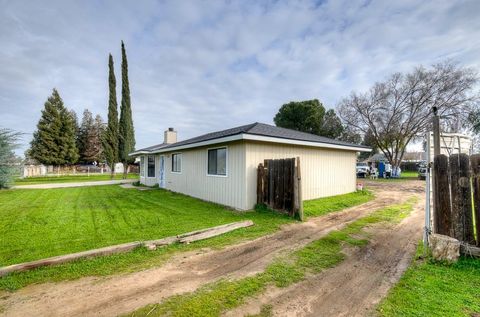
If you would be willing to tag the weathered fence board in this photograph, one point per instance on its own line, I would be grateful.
(462, 222)
(260, 183)
(456, 185)
(299, 191)
(475, 165)
(277, 185)
(442, 216)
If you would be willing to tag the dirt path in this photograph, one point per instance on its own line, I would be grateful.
(187, 271)
(354, 287)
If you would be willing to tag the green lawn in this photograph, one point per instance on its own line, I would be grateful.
(319, 207)
(41, 223)
(69, 179)
(436, 289)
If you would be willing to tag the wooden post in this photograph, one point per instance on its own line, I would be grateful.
(265, 182)
(442, 213)
(290, 167)
(475, 164)
(296, 205)
(462, 222)
(260, 185)
(281, 184)
(271, 185)
(276, 188)
(300, 199)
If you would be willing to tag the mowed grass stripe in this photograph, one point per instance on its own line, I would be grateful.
(70, 178)
(121, 215)
(61, 221)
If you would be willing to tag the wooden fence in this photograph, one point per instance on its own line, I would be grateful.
(279, 186)
(457, 196)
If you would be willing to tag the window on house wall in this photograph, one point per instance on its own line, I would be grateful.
(217, 161)
(142, 166)
(151, 166)
(177, 163)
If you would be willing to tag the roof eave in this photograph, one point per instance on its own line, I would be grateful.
(254, 137)
(136, 153)
(352, 147)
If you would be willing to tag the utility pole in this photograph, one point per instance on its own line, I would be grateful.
(436, 151)
(436, 132)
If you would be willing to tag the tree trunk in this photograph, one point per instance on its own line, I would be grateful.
(125, 170)
(112, 171)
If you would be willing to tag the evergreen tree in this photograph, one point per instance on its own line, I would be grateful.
(69, 137)
(306, 116)
(126, 131)
(54, 141)
(99, 131)
(332, 126)
(77, 129)
(8, 142)
(110, 137)
(93, 140)
(85, 135)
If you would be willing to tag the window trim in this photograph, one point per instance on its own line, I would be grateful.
(142, 166)
(181, 163)
(226, 161)
(154, 166)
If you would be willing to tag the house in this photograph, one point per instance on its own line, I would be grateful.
(221, 166)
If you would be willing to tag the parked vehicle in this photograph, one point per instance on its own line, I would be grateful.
(362, 170)
(422, 172)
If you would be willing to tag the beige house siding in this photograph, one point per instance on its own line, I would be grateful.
(325, 172)
(193, 180)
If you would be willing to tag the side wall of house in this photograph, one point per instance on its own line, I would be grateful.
(325, 172)
(193, 180)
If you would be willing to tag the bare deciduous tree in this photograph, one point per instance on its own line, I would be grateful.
(400, 109)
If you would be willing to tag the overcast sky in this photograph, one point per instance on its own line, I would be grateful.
(200, 66)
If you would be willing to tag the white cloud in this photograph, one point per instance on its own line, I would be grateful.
(201, 66)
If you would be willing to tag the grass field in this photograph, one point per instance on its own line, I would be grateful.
(41, 223)
(69, 179)
(318, 207)
(436, 289)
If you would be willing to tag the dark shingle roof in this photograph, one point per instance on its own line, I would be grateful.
(256, 128)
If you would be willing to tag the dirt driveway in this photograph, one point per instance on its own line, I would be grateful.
(351, 288)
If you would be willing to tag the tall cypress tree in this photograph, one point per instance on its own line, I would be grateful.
(126, 143)
(54, 142)
(110, 137)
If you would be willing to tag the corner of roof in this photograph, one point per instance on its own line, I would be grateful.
(251, 126)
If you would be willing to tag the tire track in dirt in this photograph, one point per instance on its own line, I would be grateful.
(185, 272)
(355, 286)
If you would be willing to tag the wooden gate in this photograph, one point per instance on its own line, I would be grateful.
(456, 201)
(279, 186)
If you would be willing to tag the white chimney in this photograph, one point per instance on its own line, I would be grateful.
(170, 136)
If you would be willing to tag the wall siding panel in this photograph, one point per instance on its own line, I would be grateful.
(194, 181)
(325, 172)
